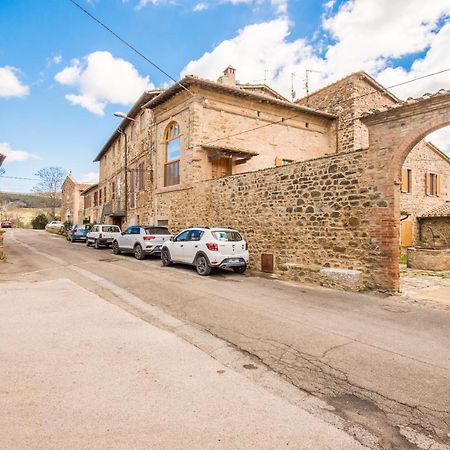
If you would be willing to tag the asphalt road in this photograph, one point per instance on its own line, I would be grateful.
(379, 365)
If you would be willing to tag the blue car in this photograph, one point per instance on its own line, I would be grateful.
(78, 233)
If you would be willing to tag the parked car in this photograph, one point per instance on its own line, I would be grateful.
(206, 248)
(102, 235)
(5, 224)
(78, 232)
(54, 225)
(141, 240)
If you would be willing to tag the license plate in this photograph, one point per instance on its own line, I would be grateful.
(234, 260)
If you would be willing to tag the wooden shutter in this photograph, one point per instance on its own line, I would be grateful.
(404, 180)
(406, 233)
(438, 185)
(427, 183)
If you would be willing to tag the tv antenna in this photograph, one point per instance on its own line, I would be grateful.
(308, 72)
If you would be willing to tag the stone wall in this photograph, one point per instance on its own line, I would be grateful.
(311, 216)
(435, 231)
(428, 259)
(348, 99)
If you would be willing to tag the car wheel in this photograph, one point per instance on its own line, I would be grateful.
(115, 248)
(96, 244)
(88, 244)
(202, 266)
(240, 269)
(138, 252)
(165, 257)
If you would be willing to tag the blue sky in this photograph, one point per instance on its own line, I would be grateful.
(62, 76)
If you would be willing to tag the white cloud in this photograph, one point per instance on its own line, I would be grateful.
(276, 59)
(90, 178)
(10, 85)
(370, 35)
(13, 155)
(102, 79)
(200, 6)
(441, 139)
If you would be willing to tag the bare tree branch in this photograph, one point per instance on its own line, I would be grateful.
(51, 179)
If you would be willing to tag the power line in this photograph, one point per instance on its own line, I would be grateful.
(19, 178)
(129, 45)
(330, 106)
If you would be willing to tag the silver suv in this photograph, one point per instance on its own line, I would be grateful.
(141, 241)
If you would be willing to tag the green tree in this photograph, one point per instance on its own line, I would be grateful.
(39, 222)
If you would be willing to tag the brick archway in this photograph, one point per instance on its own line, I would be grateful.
(392, 135)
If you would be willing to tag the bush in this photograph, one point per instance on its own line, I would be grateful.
(68, 224)
(39, 222)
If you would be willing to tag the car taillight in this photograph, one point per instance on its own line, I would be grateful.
(212, 246)
(149, 238)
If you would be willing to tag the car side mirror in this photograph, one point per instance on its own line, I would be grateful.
(171, 238)
(123, 232)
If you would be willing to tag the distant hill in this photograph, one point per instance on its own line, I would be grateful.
(25, 200)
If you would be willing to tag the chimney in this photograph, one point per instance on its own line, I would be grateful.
(228, 77)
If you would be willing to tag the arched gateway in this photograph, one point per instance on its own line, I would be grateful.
(392, 135)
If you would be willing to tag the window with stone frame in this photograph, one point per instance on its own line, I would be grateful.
(172, 154)
(132, 132)
(142, 121)
(432, 184)
(96, 198)
(406, 180)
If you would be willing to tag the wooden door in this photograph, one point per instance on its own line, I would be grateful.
(221, 167)
(406, 233)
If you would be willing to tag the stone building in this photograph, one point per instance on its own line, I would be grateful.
(302, 184)
(190, 133)
(92, 209)
(425, 181)
(72, 205)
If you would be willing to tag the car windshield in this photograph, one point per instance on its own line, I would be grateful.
(227, 235)
(111, 229)
(156, 230)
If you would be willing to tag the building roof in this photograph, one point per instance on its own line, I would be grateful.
(235, 90)
(440, 211)
(264, 88)
(438, 151)
(90, 188)
(140, 102)
(361, 74)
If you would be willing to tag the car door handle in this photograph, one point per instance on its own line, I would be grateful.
(196, 246)
(181, 246)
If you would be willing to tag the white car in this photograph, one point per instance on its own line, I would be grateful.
(54, 225)
(206, 248)
(102, 235)
(141, 241)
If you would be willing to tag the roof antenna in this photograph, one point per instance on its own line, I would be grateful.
(292, 86)
(308, 71)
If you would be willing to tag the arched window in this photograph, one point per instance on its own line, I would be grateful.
(172, 154)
